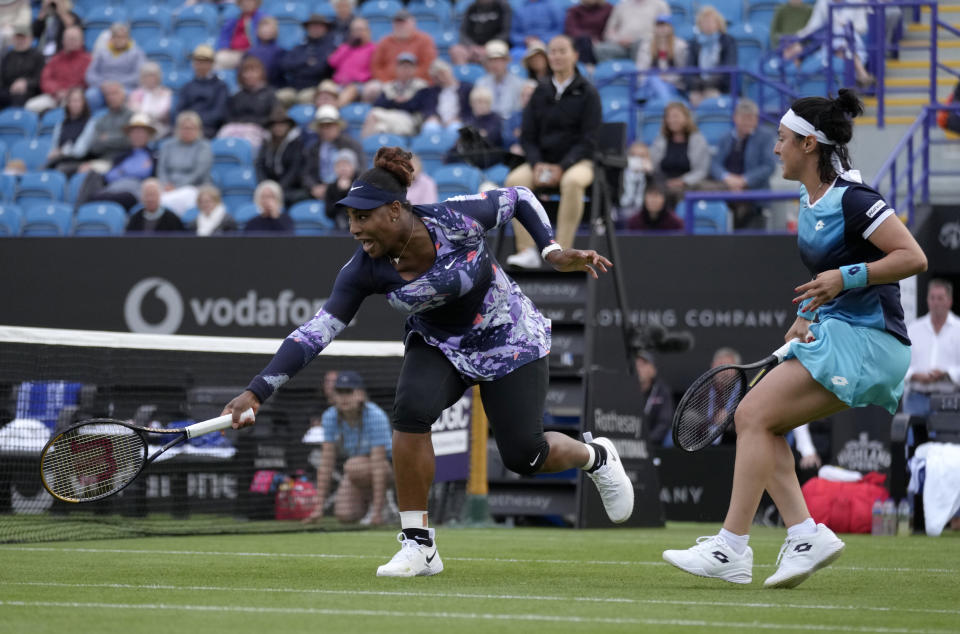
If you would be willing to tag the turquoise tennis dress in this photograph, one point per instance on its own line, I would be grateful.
(862, 351)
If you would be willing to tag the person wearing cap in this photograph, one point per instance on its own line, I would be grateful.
(656, 398)
(630, 22)
(535, 20)
(467, 324)
(584, 24)
(404, 103)
(558, 136)
(320, 156)
(346, 166)
(152, 98)
(663, 51)
(119, 60)
(484, 20)
(351, 62)
(848, 346)
(281, 156)
(306, 64)
(20, 70)
(237, 35)
(63, 71)
(405, 38)
(151, 216)
(249, 107)
(268, 51)
(355, 432)
(502, 84)
(205, 94)
(121, 184)
(328, 94)
(535, 60)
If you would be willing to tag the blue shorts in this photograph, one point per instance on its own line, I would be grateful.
(862, 366)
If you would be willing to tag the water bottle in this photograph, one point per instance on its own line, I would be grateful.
(904, 519)
(876, 527)
(889, 517)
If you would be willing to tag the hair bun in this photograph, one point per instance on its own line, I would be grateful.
(848, 102)
(397, 161)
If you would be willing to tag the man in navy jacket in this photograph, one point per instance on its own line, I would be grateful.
(205, 94)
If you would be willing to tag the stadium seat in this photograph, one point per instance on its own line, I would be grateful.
(616, 109)
(379, 13)
(53, 219)
(430, 13)
(731, 10)
(228, 11)
(615, 72)
(165, 51)
(751, 43)
(176, 78)
(374, 142)
(37, 188)
(99, 18)
(614, 92)
(711, 216)
(230, 153)
(457, 179)
(310, 218)
(149, 22)
(355, 114)
(714, 129)
(49, 121)
(302, 113)
(3, 157)
(682, 10)
(229, 77)
(432, 148)
(444, 40)
(73, 187)
(11, 218)
(17, 124)
(195, 24)
(236, 186)
(242, 213)
(761, 11)
(460, 8)
(100, 219)
(33, 152)
(290, 18)
(8, 187)
(496, 174)
(469, 73)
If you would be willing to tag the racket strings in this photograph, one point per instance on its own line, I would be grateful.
(92, 461)
(708, 408)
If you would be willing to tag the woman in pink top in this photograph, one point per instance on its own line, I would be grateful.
(351, 61)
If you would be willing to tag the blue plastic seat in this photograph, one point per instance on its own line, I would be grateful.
(236, 186)
(17, 124)
(302, 113)
(430, 13)
(444, 40)
(431, 148)
(11, 219)
(731, 10)
(8, 187)
(615, 72)
(165, 51)
(497, 174)
(49, 121)
(99, 18)
(310, 218)
(290, 17)
(761, 11)
(229, 154)
(711, 216)
(189, 216)
(149, 21)
(457, 179)
(379, 13)
(40, 187)
(53, 219)
(615, 110)
(195, 24)
(100, 219)
(354, 114)
(243, 212)
(374, 142)
(176, 78)
(469, 73)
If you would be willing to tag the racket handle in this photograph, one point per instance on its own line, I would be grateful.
(782, 351)
(216, 424)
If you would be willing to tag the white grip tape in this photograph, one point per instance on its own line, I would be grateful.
(782, 351)
(216, 424)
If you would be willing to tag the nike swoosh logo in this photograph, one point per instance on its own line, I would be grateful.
(534, 461)
(447, 267)
(431, 557)
(357, 187)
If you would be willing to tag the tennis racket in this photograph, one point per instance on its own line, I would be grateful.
(99, 457)
(707, 407)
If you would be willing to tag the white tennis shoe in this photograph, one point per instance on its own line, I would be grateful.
(529, 258)
(713, 557)
(802, 556)
(614, 486)
(414, 559)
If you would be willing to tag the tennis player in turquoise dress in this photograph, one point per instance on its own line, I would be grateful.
(853, 348)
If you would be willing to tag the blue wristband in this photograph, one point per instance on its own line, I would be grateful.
(854, 275)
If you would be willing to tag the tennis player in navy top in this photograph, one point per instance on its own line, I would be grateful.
(853, 348)
(467, 323)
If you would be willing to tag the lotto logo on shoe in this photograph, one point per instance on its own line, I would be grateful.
(802, 548)
(720, 556)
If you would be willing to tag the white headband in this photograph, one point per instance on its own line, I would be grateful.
(801, 126)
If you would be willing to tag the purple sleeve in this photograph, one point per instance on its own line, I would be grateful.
(353, 284)
(496, 207)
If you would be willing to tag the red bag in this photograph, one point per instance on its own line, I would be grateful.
(295, 499)
(845, 507)
(944, 115)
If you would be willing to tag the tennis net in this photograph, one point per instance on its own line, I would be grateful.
(249, 480)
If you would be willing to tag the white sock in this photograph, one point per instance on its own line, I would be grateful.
(593, 456)
(737, 542)
(806, 527)
(413, 519)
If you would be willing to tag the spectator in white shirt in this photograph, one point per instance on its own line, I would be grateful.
(935, 351)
